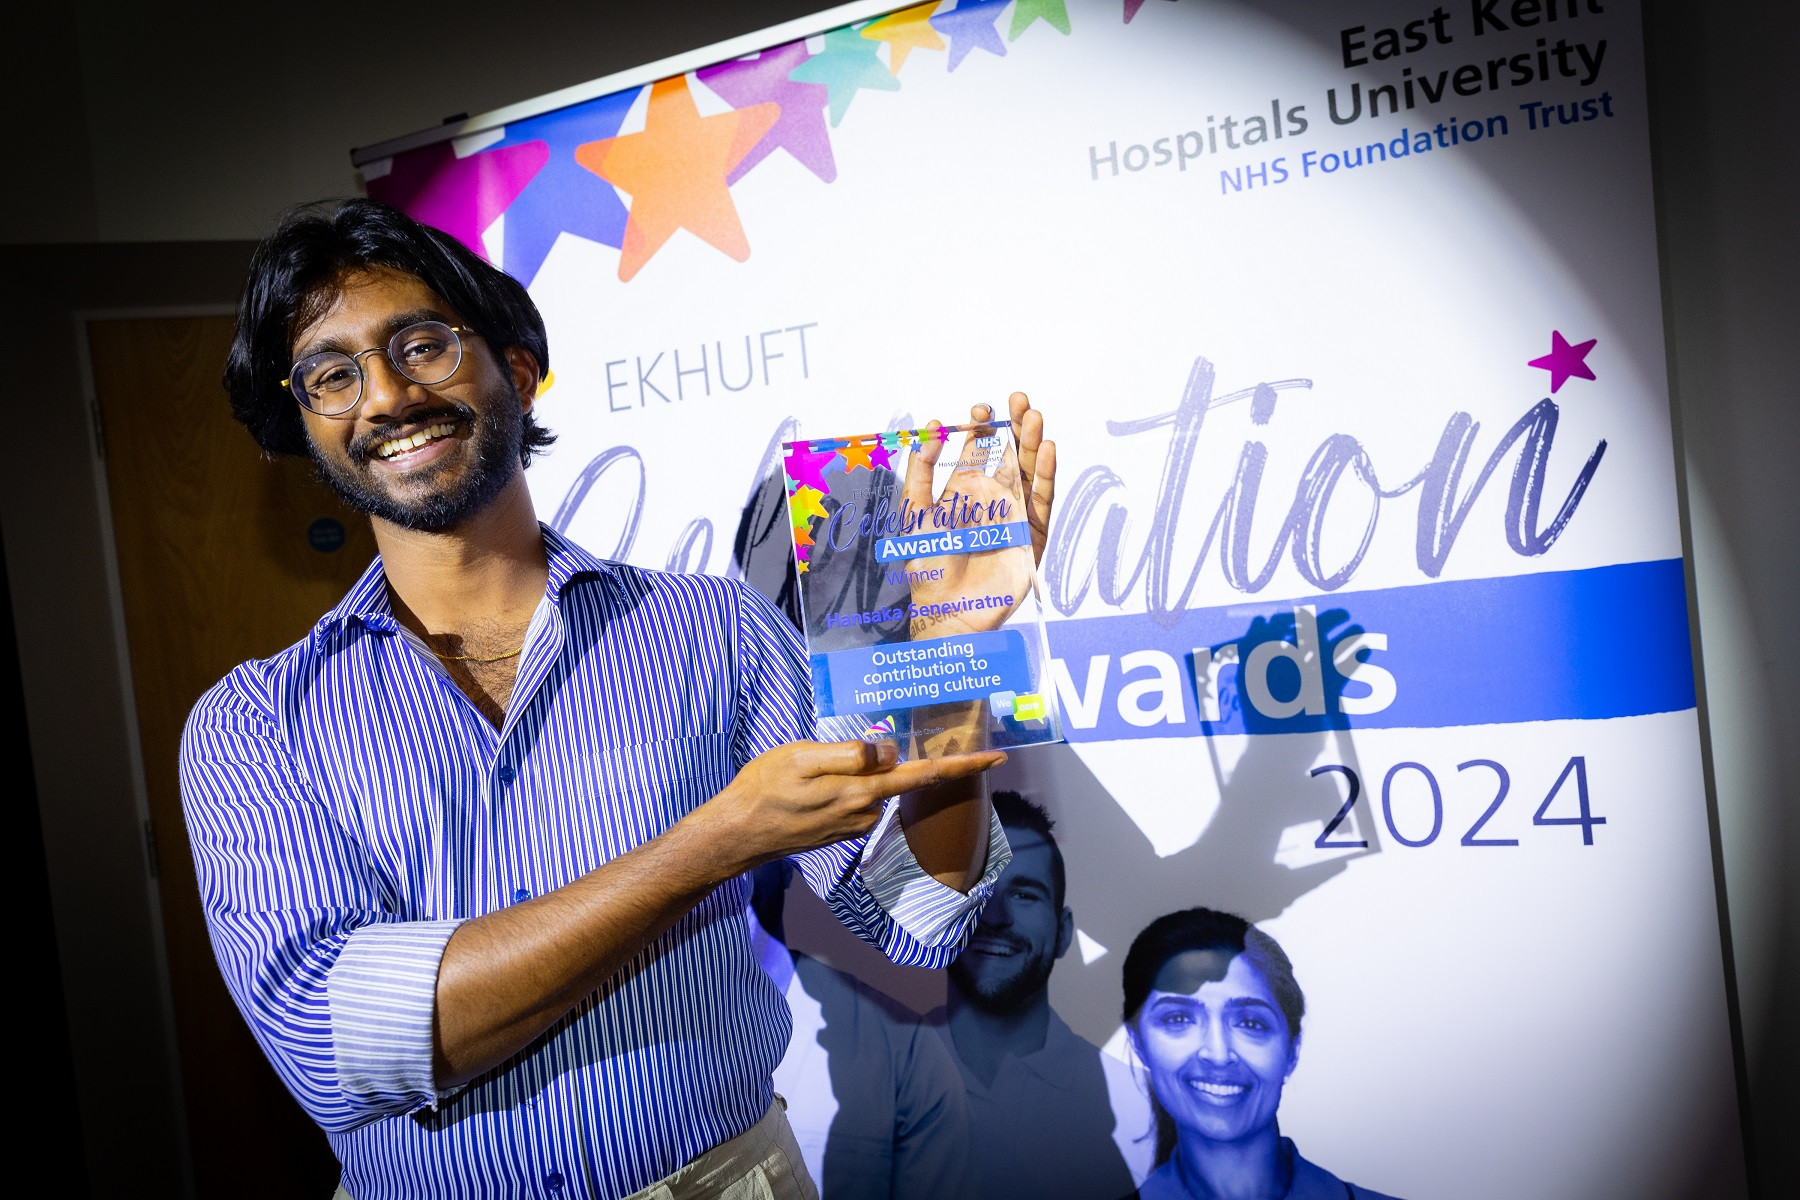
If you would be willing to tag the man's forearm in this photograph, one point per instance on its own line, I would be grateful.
(508, 976)
(946, 826)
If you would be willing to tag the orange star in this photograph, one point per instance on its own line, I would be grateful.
(803, 535)
(675, 172)
(856, 454)
(905, 31)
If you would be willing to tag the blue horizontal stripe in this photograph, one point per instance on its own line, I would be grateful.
(1561, 645)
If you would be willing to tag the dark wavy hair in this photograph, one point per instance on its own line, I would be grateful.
(1016, 812)
(295, 274)
(1206, 929)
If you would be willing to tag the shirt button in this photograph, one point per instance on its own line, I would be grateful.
(520, 896)
(554, 1181)
(507, 775)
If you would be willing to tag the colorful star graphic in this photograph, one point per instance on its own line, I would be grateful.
(804, 505)
(800, 130)
(806, 468)
(1565, 362)
(905, 31)
(803, 535)
(564, 198)
(971, 26)
(849, 63)
(881, 457)
(461, 196)
(1025, 12)
(675, 172)
(857, 454)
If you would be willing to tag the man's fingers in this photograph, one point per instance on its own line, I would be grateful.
(1042, 497)
(920, 464)
(845, 758)
(929, 772)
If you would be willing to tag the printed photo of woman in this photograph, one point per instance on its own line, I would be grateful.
(1214, 1013)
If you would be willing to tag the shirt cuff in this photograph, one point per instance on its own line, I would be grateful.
(933, 913)
(382, 993)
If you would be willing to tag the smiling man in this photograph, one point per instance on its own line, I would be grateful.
(473, 852)
(1039, 1106)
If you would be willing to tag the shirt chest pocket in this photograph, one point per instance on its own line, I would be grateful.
(645, 787)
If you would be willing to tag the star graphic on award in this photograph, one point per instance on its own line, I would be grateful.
(800, 130)
(971, 26)
(1565, 362)
(675, 172)
(905, 31)
(858, 453)
(461, 196)
(1025, 12)
(806, 467)
(849, 63)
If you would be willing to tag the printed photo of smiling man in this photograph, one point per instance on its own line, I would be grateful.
(1214, 1013)
(475, 852)
(1039, 1105)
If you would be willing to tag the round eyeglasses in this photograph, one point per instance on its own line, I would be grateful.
(331, 382)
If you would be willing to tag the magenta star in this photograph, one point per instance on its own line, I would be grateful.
(881, 457)
(461, 196)
(1565, 362)
(800, 129)
(806, 467)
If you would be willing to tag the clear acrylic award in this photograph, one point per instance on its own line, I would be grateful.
(918, 589)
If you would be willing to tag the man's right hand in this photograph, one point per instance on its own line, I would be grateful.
(805, 795)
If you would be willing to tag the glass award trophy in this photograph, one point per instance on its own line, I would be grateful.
(918, 590)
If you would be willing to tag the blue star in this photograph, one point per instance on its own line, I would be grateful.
(564, 197)
(971, 26)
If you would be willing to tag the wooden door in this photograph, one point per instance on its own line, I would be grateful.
(223, 556)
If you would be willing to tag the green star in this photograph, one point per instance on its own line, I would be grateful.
(1053, 12)
(848, 62)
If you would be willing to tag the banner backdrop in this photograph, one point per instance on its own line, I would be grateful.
(1368, 620)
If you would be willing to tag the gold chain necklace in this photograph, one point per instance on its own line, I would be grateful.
(470, 658)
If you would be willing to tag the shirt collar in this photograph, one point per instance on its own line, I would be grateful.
(367, 600)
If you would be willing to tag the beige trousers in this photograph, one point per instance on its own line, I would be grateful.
(762, 1163)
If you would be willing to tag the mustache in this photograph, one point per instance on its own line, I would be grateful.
(362, 449)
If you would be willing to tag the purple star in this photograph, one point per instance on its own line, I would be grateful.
(1565, 362)
(970, 26)
(461, 196)
(800, 129)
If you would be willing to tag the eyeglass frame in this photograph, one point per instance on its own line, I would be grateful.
(362, 376)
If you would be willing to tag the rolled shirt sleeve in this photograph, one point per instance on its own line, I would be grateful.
(874, 884)
(337, 989)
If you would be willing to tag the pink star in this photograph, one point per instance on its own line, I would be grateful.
(801, 127)
(806, 467)
(1565, 362)
(461, 196)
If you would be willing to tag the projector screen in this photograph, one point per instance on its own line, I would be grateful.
(1368, 619)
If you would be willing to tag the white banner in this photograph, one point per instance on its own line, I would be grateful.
(1345, 321)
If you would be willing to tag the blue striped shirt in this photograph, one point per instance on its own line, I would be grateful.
(348, 807)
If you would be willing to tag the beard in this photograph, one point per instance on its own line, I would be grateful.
(1005, 994)
(495, 438)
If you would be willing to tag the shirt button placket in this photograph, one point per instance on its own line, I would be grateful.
(554, 1182)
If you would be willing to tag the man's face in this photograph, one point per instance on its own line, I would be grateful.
(472, 422)
(1021, 933)
(1218, 1048)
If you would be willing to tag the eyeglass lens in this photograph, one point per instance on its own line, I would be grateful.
(331, 382)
